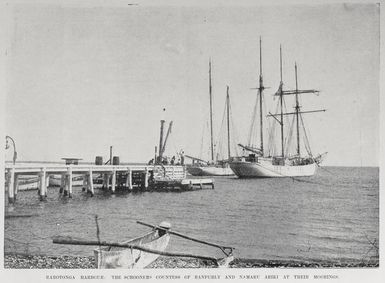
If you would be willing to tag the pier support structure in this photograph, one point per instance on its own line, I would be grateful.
(69, 182)
(90, 183)
(42, 184)
(16, 186)
(11, 184)
(47, 176)
(129, 179)
(62, 183)
(106, 180)
(146, 175)
(138, 176)
(113, 181)
(85, 184)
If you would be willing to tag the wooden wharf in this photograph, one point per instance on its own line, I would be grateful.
(111, 176)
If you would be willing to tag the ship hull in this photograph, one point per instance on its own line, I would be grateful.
(245, 169)
(210, 171)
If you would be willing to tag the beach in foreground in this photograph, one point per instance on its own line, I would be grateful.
(72, 262)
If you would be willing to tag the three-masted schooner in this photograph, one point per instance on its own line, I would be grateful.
(214, 167)
(258, 164)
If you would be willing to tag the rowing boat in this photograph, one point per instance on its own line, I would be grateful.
(120, 257)
(142, 251)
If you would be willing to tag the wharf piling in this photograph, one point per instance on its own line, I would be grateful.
(90, 183)
(11, 186)
(42, 183)
(113, 181)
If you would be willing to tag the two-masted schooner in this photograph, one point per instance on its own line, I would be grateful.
(213, 167)
(259, 163)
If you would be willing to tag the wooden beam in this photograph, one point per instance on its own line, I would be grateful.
(91, 183)
(69, 178)
(16, 186)
(289, 92)
(85, 183)
(11, 181)
(62, 183)
(292, 113)
(42, 184)
(105, 181)
(113, 181)
(146, 178)
(46, 184)
(129, 179)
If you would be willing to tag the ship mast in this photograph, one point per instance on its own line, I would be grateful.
(211, 113)
(297, 111)
(228, 122)
(260, 90)
(281, 100)
(297, 107)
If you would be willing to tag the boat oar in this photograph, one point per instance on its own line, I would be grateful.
(71, 241)
(222, 248)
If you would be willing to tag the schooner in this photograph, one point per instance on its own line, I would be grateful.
(214, 167)
(258, 163)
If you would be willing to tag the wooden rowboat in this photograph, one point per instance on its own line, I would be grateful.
(142, 251)
(120, 257)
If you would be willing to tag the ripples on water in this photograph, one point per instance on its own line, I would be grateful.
(332, 215)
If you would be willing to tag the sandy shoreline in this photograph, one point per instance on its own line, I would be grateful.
(18, 261)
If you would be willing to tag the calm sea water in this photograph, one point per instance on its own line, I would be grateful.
(333, 215)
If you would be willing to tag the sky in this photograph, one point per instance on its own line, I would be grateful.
(79, 79)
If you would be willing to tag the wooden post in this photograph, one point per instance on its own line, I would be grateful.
(11, 181)
(16, 187)
(62, 183)
(146, 178)
(46, 184)
(129, 179)
(127, 184)
(42, 184)
(106, 180)
(85, 184)
(69, 180)
(90, 183)
(113, 181)
(65, 193)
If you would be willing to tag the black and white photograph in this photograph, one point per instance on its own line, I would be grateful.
(191, 140)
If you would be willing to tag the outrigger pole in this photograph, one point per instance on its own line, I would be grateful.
(222, 248)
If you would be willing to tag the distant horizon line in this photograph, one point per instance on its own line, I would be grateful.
(131, 163)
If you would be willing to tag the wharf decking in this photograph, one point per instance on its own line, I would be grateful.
(112, 176)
